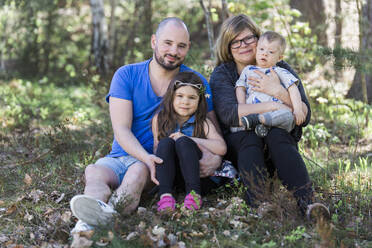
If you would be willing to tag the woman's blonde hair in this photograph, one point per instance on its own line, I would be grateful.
(231, 28)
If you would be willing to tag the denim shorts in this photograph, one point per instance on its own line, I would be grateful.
(119, 165)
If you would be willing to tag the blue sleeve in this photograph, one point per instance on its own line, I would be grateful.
(121, 85)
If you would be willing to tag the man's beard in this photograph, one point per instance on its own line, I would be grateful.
(169, 67)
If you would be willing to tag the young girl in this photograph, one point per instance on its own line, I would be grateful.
(178, 128)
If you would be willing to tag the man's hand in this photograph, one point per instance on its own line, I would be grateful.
(209, 162)
(176, 135)
(151, 162)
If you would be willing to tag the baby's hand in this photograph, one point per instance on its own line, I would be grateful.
(299, 116)
(176, 135)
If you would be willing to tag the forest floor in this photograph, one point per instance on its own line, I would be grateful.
(49, 134)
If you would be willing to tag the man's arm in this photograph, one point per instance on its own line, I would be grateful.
(121, 114)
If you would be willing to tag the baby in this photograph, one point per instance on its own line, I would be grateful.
(270, 50)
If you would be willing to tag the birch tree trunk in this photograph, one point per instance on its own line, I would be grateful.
(338, 41)
(209, 27)
(361, 89)
(112, 36)
(225, 10)
(99, 36)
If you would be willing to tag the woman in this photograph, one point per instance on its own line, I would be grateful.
(235, 49)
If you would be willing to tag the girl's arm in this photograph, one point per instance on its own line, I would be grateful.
(154, 125)
(214, 141)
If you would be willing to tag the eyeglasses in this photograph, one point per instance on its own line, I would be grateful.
(247, 41)
(178, 83)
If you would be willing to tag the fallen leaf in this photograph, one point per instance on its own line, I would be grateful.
(158, 231)
(20, 198)
(35, 195)
(66, 216)
(28, 217)
(11, 209)
(181, 244)
(60, 198)
(87, 234)
(48, 211)
(132, 235)
(3, 238)
(80, 242)
(1, 202)
(27, 180)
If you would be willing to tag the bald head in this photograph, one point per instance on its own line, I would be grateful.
(175, 21)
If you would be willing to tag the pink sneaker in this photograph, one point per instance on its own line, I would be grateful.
(166, 203)
(192, 202)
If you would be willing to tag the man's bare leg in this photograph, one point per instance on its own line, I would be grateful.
(98, 180)
(130, 190)
(90, 208)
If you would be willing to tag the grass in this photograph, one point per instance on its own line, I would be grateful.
(49, 134)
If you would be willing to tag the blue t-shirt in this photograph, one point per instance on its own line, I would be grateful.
(132, 82)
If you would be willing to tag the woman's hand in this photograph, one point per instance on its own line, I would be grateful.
(299, 116)
(176, 135)
(268, 84)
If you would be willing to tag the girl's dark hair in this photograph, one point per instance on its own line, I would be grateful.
(167, 117)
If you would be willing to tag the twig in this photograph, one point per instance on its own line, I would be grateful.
(215, 238)
(10, 166)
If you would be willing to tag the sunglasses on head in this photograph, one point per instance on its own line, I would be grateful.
(178, 83)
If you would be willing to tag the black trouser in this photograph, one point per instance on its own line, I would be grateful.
(246, 150)
(180, 160)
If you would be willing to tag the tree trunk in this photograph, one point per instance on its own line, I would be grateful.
(338, 41)
(99, 36)
(51, 18)
(209, 27)
(147, 14)
(130, 31)
(112, 36)
(313, 11)
(225, 10)
(361, 89)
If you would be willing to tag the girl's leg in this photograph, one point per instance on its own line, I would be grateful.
(165, 172)
(245, 149)
(189, 155)
(290, 165)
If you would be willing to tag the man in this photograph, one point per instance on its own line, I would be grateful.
(135, 93)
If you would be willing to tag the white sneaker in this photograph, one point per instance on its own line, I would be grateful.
(81, 226)
(91, 211)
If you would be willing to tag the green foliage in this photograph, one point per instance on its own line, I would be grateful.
(25, 104)
(295, 235)
(301, 52)
(346, 58)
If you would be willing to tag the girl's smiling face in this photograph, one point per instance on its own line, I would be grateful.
(185, 102)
